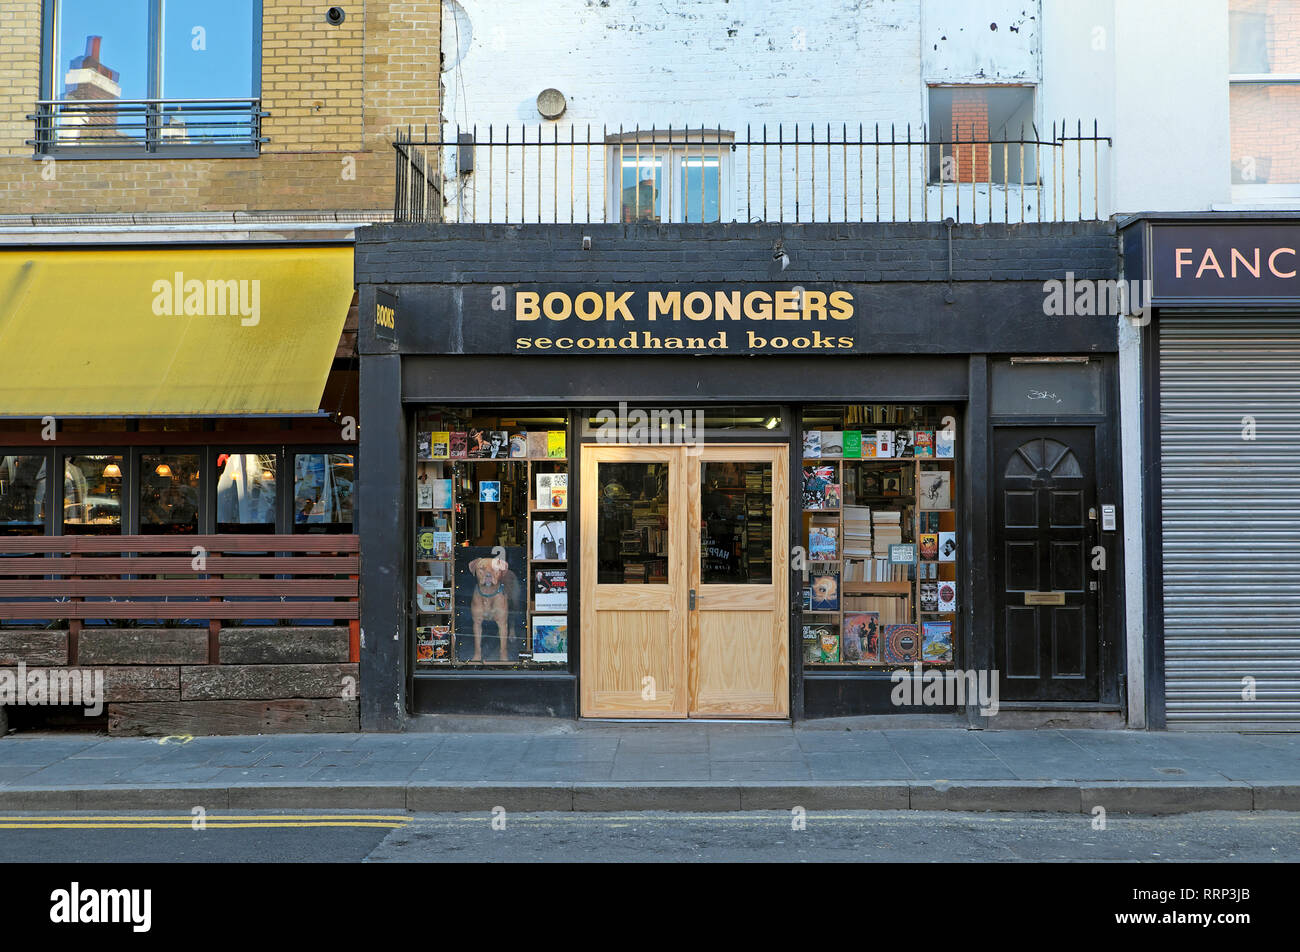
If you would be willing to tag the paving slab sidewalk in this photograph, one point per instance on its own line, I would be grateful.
(591, 766)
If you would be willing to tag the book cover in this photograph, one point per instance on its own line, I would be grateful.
(441, 493)
(899, 644)
(559, 490)
(433, 644)
(944, 443)
(498, 444)
(537, 444)
(423, 445)
(936, 642)
(832, 444)
(828, 643)
(551, 590)
(548, 539)
(812, 444)
(947, 547)
(860, 638)
(890, 482)
(441, 444)
(425, 544)
(868, 445)
(903, 448)
(519, 444)
(929, 596)
(544, 482)
(550, 638)
(852, 444)
(812, 643)
(478, 443)
(489, 490)
(934, 490)
(442, 545)
(822, 543)
(929, 546)
(885, 444)
(929, 521)
(432, 593)
(424, 486)
(870, 485)
(947, 596)
(817, 484)
(555, 444)
(923, 443)
(458, 444)
(825, 589)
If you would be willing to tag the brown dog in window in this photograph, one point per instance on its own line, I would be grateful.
(496, 590)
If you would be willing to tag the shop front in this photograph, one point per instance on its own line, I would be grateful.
(735, 472)
(1222, 398)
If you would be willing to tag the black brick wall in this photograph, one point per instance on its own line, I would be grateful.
(847, 253)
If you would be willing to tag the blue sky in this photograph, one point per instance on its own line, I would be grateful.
(223, 69)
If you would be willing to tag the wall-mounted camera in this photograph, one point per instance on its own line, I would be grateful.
(335, 15)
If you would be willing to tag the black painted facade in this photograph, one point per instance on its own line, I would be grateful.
(935, 306)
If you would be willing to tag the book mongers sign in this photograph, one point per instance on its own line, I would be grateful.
(693, 320)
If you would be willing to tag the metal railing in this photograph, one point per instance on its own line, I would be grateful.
(130, 127)
(803, 173)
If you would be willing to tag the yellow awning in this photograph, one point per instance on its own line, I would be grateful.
(207, 331)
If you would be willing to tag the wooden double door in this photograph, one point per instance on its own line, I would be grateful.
(685, 607)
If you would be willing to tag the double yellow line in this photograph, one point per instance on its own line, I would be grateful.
(210, 821)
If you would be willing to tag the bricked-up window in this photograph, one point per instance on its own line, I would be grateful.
(965, 118)
(679, 177)
(1264, 91)
(149, 75)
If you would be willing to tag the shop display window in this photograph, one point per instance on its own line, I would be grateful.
(22, 494)
(881, 536)
(246, 492)
(490, 545)
(322, 492)
(169, 493)
(92, 494)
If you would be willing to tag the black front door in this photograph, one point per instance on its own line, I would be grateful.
(1046, 628)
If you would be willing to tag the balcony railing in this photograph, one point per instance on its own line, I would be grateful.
(112, 128)
(800, 173)
(68, 581)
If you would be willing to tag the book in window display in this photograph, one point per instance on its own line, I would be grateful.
(945, 442)
(551, 590)
(489, 490)
(947, 596)
(550, 638)
(519, 444)
(424, 486)
(884, 444)
(812, 444)
(441, 444)
(433, 644)
(947, 547)
(536, 444)
(860, 641)
(929, 547)
(823, 543)
(432, 594)
(458, 444)
(555, 444)
(490, 604)
(825, 588)
(923, 443)
(549, 540)
(431, 544)
(936, 642)
(900, 644)
(929, 595)
(935, 489)
(903, 448)
(832, 444)
(423, 445)
(820, 491)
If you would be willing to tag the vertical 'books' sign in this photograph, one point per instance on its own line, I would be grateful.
(385, 316)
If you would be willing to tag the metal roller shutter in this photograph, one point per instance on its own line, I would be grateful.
(1231, 519)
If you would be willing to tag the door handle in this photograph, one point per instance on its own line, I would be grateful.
(691, 601)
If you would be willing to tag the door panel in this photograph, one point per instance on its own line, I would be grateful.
(699, 625)
(739, 629)
(1045, 486)
(633, 527)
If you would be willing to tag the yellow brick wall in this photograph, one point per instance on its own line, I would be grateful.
(335, 94)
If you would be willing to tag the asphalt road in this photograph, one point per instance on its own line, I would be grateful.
(897, 836)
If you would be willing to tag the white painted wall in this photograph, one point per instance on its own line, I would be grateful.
(737, 65)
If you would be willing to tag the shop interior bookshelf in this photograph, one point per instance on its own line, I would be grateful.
(866, 583)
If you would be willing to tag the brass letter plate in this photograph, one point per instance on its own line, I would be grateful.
(1044, 598)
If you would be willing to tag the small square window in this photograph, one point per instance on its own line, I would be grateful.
(678, 178)
(996, 122)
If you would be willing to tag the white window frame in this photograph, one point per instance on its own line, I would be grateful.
(1246, 193)
(684, 149)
